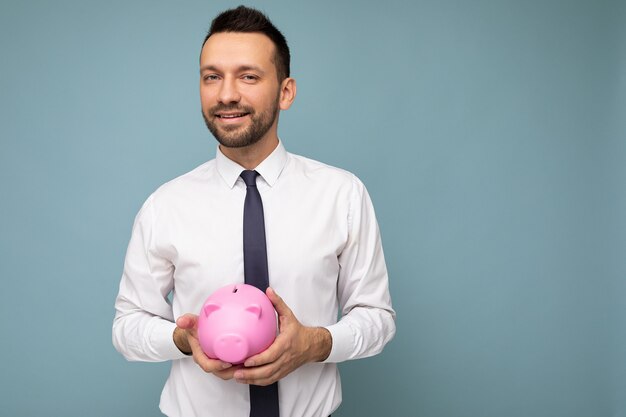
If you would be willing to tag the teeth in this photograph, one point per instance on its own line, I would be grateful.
(231, 116)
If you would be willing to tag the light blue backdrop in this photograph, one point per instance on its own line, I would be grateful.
(491, 136)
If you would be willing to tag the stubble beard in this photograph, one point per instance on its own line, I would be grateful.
(240, 136)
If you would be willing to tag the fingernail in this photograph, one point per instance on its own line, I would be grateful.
(226, 365)
(238, 375)
(248, 364)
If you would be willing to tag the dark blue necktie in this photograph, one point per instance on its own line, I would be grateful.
(263, 400)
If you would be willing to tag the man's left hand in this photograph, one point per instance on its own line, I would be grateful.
(294, 346)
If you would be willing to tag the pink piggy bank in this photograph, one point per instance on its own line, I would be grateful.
(236, 322)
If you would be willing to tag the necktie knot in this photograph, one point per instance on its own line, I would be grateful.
(249, 177)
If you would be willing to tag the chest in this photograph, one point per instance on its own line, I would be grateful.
(305, 233)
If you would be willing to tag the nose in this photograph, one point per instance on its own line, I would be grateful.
(232, 348)
(228, 92)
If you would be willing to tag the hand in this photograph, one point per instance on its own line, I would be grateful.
(294, 346)
(186, 339)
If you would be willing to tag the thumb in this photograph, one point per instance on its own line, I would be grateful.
(281, 307)
(187, 321)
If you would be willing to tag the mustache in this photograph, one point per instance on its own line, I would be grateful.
(221, 107)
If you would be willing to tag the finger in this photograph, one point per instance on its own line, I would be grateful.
(281, 307)
(187, 321)
(269, 355)
(228, 373)
(207, 364)
(261, 375)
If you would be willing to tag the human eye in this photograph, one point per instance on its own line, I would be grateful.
(250, 78)
(209, 77)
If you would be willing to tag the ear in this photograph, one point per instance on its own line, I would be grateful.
(287, 93)
(254, 309)
(209, 308)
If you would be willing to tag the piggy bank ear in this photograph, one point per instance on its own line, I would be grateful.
(209, 308)
(254, 309)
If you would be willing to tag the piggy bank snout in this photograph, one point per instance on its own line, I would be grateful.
(231, 348)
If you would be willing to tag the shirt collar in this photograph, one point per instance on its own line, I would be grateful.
(269, 169)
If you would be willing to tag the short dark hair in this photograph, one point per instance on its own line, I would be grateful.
(249, 20)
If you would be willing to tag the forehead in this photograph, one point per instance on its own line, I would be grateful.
(236, 49)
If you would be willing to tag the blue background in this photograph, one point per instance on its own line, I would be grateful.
(491, 136)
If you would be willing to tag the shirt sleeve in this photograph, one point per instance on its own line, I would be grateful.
(144, 325)
(367, 323)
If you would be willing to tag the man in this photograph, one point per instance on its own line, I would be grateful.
(323, 248)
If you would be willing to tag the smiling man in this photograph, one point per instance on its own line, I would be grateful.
(302, 231)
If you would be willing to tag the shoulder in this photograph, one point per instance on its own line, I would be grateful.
(186, 185)
(320, 172)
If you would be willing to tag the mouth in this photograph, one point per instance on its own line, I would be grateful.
(231, 116)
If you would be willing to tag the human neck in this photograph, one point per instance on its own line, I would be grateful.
(251, 156)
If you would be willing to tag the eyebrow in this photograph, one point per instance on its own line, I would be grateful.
(241, 68)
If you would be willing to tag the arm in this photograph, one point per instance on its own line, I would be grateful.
(368, 319)
(144, 322)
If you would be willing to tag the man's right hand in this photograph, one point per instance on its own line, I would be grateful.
(186, 340)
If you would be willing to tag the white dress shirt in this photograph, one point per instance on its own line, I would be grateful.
(324, 257)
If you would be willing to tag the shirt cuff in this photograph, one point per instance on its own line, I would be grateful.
(343, 342)
(162, 341)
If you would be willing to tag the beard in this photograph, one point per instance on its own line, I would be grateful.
(241, 136)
